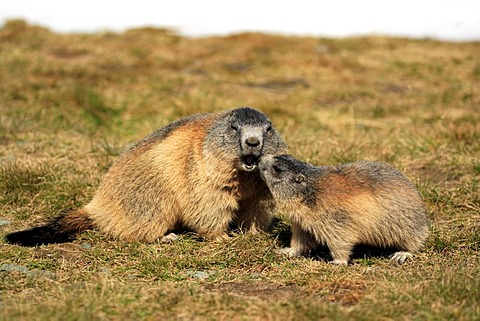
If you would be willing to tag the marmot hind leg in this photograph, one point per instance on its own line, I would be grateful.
(401, 256)
(340, 251)
(302, 242)
(171, 237)
(408, 247)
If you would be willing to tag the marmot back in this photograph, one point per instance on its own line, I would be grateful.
(340, 206)
(199, 172)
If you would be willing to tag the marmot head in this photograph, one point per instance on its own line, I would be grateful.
(249, 133)
(288, 178)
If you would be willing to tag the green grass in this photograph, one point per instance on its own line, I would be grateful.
(69, 105)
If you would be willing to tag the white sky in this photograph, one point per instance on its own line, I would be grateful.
(442, 19)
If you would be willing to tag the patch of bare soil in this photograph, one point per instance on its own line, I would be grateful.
(345, 293)
(65, 251)
(262, 290)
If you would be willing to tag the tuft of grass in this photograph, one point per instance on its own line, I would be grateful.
(20, 182)
(94, 106)
(70, 104)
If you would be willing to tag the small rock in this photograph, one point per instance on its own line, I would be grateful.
(13, 268)
(86, 246)
(42, 273)
(201, 275)
(30, 273)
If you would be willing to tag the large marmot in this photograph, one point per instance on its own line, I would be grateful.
(199, 173)
(340, 206)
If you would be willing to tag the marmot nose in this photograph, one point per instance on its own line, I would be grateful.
(252, 141)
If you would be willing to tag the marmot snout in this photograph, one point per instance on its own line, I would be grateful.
(340, 206)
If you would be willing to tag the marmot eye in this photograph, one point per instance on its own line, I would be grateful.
(234, 127)
(269, 128)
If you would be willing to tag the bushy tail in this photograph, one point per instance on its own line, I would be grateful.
(61, 229)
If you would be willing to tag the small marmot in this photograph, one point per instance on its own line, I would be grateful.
(199, 173)
(364, 202)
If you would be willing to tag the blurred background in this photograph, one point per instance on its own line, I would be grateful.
(457, 20)
(392, 81)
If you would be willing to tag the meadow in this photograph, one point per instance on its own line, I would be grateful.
(70, 103)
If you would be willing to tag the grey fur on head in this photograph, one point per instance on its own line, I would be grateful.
(249, 129)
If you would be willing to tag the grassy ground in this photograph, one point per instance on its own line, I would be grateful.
(69, 104)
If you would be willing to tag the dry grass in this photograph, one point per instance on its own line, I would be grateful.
(69, 104)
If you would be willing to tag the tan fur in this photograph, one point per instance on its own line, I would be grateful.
(359, 203)
(185, 181)
(199, 173)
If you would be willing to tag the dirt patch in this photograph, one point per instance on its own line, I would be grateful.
(260, 290)
(64, 251)
(345, 293)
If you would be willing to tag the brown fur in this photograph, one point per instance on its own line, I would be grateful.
(199, 173)
(364, 202)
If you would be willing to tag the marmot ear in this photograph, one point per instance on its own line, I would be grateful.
(299, 178)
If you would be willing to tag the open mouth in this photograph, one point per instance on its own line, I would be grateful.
(249, 162)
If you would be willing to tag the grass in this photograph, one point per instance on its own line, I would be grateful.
(69, 104)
